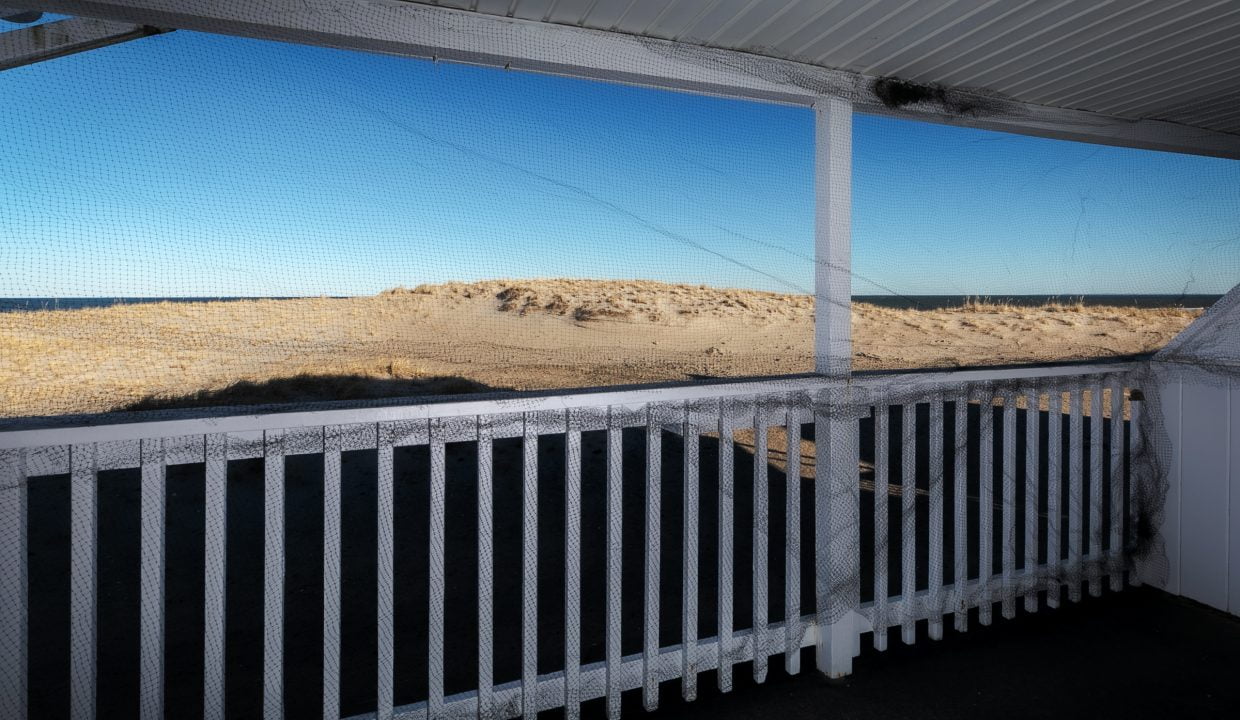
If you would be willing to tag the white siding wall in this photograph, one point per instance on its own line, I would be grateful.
(1201, 411)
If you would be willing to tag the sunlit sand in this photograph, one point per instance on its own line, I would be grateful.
(514, 335)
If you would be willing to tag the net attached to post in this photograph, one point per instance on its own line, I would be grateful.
(306, 261)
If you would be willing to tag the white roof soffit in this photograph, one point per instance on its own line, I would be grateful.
(1166, 72)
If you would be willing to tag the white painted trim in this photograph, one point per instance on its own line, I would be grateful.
(37, 43)
(409, 29)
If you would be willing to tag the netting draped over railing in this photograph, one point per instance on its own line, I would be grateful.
(447, 560)
(240, 279)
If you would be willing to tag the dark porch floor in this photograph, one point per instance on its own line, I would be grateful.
(1139, 653)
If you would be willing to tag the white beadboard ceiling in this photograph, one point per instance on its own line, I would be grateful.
(1172, 60)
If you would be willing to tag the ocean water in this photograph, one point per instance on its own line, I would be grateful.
(935, 302)
(33, 304)
(921, 302)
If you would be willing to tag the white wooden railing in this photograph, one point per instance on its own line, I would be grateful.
(1043, 566)
(718, 412)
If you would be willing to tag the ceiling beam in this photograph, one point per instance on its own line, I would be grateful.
(37, 43)
(411, 29)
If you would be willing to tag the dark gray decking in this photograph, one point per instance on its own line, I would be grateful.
(1136, 654)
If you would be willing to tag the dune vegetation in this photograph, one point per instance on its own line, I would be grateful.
(506, 335)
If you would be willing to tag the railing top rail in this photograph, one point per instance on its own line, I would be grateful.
(155, 424)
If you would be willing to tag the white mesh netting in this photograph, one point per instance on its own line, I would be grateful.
(199, 226)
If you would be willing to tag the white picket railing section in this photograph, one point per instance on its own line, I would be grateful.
(1045, 476)
(694, 412)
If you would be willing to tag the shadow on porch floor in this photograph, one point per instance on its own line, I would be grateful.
(1138, 653)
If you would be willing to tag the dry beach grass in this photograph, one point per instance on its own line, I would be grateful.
(520, 335)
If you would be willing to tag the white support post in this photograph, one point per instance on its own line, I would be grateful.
(837, 535)
(837, 492)
(833, 237)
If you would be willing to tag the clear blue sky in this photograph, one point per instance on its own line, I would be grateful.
(195, 165)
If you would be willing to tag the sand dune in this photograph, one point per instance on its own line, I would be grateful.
(521, 335)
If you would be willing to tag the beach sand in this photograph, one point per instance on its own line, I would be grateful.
(506, 335)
